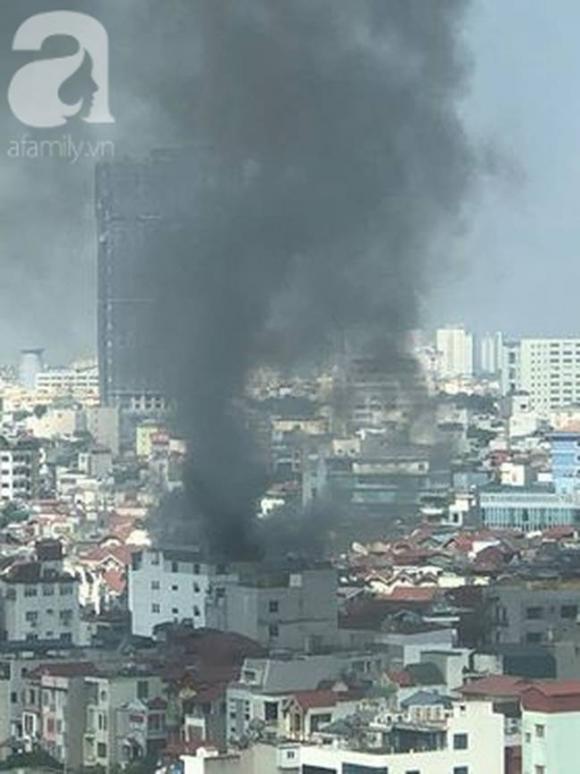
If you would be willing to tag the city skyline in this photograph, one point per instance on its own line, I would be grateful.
(519, 237)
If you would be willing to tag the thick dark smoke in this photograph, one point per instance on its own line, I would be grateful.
(326, 164)
(334, 159)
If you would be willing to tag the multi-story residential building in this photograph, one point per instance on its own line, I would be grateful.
(287, 609)
(39, 601)
(375, 480)
(530, 508)
(80, 382)
(469, 741)
(175, 585)
(119, 724)
(19, 469)
(102, 423)
(455, 347)
(267, 685)
(293, 609)
(53, 715)
(375, 393)
(566, 462)
(31, 364)
(510, 378)
(548, 369)
(530, 613)
(550, 725)
(490, 353)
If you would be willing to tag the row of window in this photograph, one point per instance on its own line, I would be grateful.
(536, 612)
(156, 586)
(65, 589)
(156, 609)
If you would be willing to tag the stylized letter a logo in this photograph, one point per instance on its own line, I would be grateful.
(34, 93)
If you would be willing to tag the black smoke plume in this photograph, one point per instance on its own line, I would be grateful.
(323, 163)
(331, 160)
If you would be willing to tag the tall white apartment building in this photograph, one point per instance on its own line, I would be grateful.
(490, 353)
(19, 469)
(174, 585)
(547, 369)
(455, 350)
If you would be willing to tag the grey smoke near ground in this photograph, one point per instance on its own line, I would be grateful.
(335, 163)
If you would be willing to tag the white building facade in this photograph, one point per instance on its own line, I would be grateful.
(173, 586)
(473, 744)
(455, 352)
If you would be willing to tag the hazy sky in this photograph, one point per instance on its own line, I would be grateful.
(521, 261)
(516, 268)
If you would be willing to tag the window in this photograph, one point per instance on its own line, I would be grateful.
(539, 770)
(534, 613)
(528, 737)
(155, 608)
(47, 590)
(174, 566)
(460, 742)
(30, 591)
(65, 617)
(196, 588)
(270, 711)
(461, 770)
(540, 730)
(101, 750)
(143, 689)
(355, 768)
(569, 611)
(318, 721)
(174, 611)
(175, 588)
(196, 612)
(273, 606)
(65, 590)
(533, 638)
(273, 630)
(155, 585)
(31, 616)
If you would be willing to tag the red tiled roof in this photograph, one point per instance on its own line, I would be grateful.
(558, 533)
(67, 669)
(121, 554)
(496, 685)
(556, 696)
(115, 580)
(307, 700)
(402, 679)
(413, 594)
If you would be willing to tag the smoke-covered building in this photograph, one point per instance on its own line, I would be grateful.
(139, 203)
